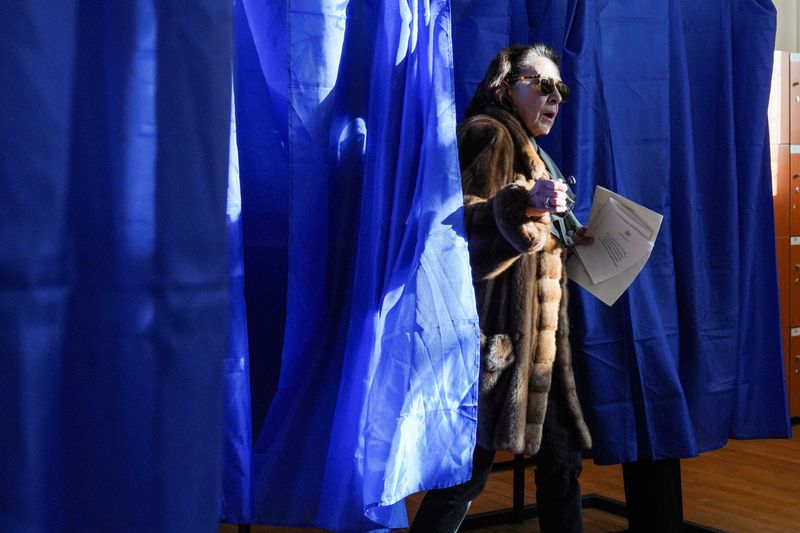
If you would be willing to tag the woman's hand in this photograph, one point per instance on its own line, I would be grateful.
(546, 196)
(580, 237)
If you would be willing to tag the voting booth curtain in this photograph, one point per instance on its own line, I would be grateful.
(361, 318)
(691, 354)
(113, 264)
(342, 272)
(356, 285)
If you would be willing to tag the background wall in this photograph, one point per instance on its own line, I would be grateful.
(787, 37)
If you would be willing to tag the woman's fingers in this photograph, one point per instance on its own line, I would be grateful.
(548, 203)
(549, 195)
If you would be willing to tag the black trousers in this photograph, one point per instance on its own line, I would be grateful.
(558, 493)
(653, 496)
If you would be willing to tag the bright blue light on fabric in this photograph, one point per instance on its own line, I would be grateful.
(379, 305)
(238, 438)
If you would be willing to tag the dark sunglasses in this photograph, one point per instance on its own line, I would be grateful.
(545, 85)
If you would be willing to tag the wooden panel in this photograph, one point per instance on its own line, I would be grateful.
(793, 378)
(784, 278)
(778, 111)
(794, 102)
(788, 349)
(794, 286)
(786, 345)
(779, 157)
(794, 194)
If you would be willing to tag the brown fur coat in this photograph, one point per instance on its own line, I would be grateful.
(520, 285)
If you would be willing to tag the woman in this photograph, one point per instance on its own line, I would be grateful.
(519, 227)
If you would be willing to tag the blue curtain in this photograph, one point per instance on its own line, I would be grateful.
(357, 283)
(238, 445)
(690, 355)
(693, 349)
(113, 271)
(356, 280)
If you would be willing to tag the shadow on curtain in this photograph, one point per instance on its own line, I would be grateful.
(113, 275)
(356, 275)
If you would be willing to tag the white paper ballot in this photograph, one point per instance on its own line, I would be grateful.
(624, 233)
(620, 242)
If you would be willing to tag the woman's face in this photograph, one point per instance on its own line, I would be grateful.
(538, 111)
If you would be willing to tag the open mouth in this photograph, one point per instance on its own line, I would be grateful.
(549, 114)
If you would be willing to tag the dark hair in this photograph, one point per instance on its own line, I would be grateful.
(505, 65)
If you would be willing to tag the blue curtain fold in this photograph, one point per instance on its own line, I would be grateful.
(356, 279)
(690, 356)
(351, 201)
(113, 276)
(238, 439)
(692, 351)
(353, 348)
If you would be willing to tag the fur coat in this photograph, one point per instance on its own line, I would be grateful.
(520, 285)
